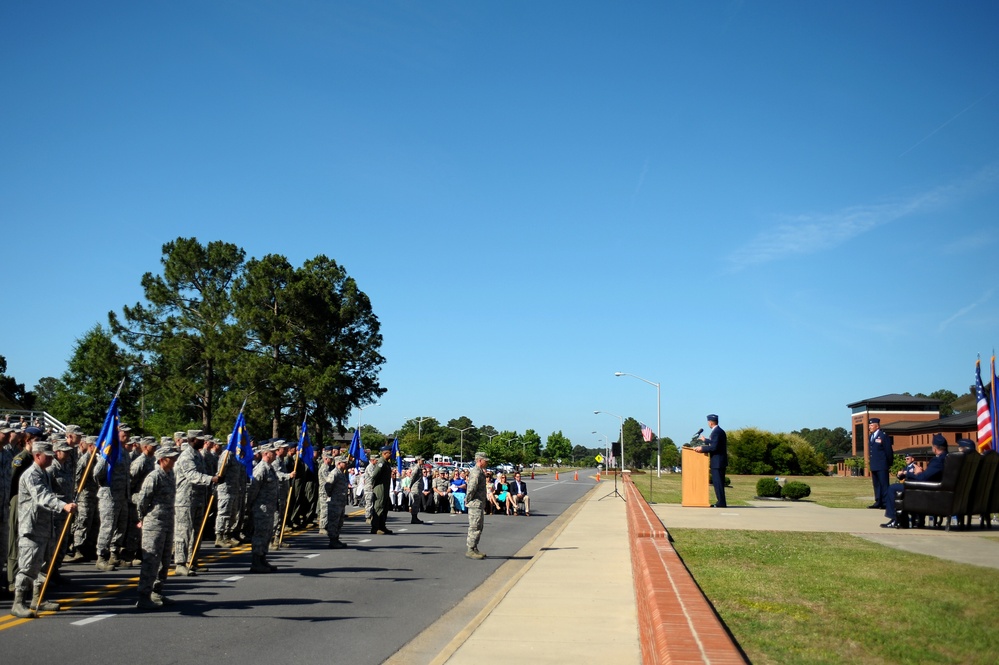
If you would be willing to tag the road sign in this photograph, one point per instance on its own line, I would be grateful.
(599, 458)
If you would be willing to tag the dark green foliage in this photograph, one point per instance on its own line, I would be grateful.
(767, 487)
(12, 392)
(756, 452)
(795, 490)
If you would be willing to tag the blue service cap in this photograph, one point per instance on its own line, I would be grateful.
(875, 421)
(713, 417)
(33, 431)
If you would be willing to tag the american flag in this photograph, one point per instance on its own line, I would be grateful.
(984, 412)
(646, 432)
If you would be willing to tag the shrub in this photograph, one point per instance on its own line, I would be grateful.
(767, 487)
(795, 490)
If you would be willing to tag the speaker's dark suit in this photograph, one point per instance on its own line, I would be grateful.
(716, 444)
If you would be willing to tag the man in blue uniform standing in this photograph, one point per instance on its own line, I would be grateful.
(716, 443)
(880, 459)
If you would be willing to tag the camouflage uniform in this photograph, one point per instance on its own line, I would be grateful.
(212, 469)
(323, 472)
(337, 489)
(262, 500)
(85, 522)
(369, 496)
(140, 467)
(190, 502)
(19, 465)
(37, 506)
(280, 466)
(475, 498)
(155, 504)
(112, 504)
(229, 491)
(441, 484)
(62, 475)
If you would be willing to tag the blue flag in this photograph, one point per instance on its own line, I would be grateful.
(305, 452)
(108, 445)
(398, 456)
(239, 445)
(356, 450)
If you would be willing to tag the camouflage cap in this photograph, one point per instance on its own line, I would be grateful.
(149, 441)
(179, 435)
(74, 429)
(195, 434)
(61, 447)
(166, 441)
(167, 451)
(341, 458)
(90, 439)
(122, 427)
(42, 448)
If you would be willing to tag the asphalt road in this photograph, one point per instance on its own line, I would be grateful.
(358, 605)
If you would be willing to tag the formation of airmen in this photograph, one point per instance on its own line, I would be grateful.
(150, 509)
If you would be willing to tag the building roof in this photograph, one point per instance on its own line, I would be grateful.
(895, 398)
(959, 422)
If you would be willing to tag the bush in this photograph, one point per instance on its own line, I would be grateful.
(795, 490)
(767, 487)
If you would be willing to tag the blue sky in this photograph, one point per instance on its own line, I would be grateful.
(772, 208)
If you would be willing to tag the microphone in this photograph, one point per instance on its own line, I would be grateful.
(698, 433)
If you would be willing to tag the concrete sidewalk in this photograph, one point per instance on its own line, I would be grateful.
(575, 603)
(975, 546)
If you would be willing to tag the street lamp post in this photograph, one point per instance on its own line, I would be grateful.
(659, 438)
(620, 434)
(461, 450)
(419, 426)
(606, 443)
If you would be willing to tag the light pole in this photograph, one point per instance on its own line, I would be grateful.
(360, 411)
(419, 426)
(461, 450)
(620, 434)
(606, 443)
(659, 439)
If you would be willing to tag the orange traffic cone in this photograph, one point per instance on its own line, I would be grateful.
(556, 475)
(532, 474)
(598, 476)
(576, 476)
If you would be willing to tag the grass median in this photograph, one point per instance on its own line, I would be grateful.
(793, 597)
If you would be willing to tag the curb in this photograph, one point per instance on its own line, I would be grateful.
(676, 623)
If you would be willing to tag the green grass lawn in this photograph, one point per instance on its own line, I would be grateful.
(829, 491)
(794, 597)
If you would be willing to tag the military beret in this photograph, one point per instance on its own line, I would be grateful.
(33, 431)
(166, 451)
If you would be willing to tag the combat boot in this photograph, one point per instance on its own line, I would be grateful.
(114, 561)
(220, 541)
(337, 545)
(267, 563)
(259, 566)
(47, 606)
(475, 554)
(19, 609)
(146, 602)
(104, 564)
(184, 571)
(232, 542)
(160, 598)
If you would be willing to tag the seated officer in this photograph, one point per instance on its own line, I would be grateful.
(932, 474)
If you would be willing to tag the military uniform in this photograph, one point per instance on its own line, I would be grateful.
(369, 496)
(475, 500)
(6, 472)
(336, 486)
(112, 505)
(262, 501)
(62, 476)
(280, 466)
(37, 506)
(228, 491)
(19, 465)
(85, 523)
(441, 486)
(189, 506)
(323, 471)
(155, 504)
(381, 477)
(140, 467)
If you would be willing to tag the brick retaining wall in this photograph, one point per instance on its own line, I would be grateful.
(676, 624)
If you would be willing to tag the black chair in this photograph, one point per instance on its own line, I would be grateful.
(937, 499)
(981, 490)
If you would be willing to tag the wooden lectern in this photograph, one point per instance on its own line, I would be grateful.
(695, 477)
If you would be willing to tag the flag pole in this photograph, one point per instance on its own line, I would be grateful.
(287, 502)
(211, 500)
(69, 517)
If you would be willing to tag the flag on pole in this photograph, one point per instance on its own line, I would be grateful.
(239, 445)
(646, 432)
(108, 445)
(356, 450)
(995, 407)
(305, 452)
(984, 411)
(397, 455)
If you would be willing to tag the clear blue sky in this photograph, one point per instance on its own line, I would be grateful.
(773, 208)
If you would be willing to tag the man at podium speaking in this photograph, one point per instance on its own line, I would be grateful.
(716, 443)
